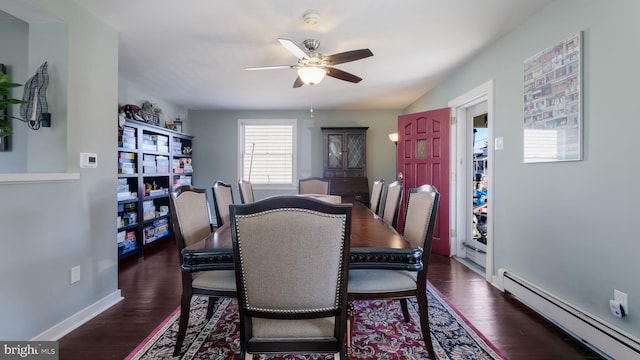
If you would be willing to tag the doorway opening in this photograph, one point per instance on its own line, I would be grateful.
(476, 244)
(471, 205)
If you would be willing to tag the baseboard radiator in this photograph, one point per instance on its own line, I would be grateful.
(600, 335)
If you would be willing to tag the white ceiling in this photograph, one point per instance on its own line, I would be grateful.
(193, 52)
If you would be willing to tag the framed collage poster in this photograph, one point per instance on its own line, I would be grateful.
(553, 103)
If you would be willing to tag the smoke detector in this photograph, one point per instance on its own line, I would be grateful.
(311, 17)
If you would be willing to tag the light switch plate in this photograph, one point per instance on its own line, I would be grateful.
(499, 143)
(88, 160)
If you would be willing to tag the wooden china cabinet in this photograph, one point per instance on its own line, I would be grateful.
(345, 162)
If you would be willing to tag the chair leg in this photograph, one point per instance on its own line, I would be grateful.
(185, 308)
(405, 310)
(423, 310)
(211, 306)
(350, 311)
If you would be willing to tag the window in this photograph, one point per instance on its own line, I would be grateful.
(266, 151)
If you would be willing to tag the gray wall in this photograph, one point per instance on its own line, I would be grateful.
(568, 227)
(49, 42)
(47, 228)
(214, 158)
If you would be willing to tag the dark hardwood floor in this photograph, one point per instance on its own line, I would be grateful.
(151, 288)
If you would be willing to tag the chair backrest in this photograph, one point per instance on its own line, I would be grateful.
(376, 194)
(291, 258)
(392, 203)
(246, 191)
(314, 185)
(222, 198)
(190, 215)
(420, 218)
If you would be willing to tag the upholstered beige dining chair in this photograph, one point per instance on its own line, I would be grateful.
(314, 185)
(376, 195)
(222, 198)
(392, 203)
(291, 257)
(191, 223)
(246, 191)
(420, 220)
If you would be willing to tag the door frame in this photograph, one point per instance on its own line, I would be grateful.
(460, 207)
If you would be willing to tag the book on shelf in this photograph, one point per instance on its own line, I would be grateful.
(127, 218)
(157, 192)
(128, 242)
(157, 230)
(181, 166)
(129, 206)
(124, 191)
(149, 168)
(149, 234)
(128, 195)
(148, 210)
(127, 141)
(126, 163)
(177, 147)
(126, 145)
(162, 163)
(161, 231)
(126, 155)
(127, 171)
(162, 143)
(182, 180)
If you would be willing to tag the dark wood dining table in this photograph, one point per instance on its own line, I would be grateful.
(374, 245)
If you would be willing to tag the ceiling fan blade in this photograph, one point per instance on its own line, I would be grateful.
(293, 48)
(273, 67)
(347, 56)
(342, 75)
(298, 82)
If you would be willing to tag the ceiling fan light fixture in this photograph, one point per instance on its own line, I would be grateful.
(311, 75)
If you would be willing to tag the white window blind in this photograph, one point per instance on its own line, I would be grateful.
(267, 151)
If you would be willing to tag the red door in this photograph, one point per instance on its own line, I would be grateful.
(423, 158)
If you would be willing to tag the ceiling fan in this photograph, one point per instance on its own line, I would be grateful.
(312, 66)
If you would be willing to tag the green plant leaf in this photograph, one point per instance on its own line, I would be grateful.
(5, 126)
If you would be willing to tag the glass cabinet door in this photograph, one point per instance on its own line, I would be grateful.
(335, 151)
(355, 151)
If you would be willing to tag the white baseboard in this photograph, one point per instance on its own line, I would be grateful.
(71, 323)
(602, 336)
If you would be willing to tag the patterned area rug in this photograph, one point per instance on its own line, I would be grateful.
(379, 333)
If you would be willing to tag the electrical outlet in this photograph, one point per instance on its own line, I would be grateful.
(75, 274)
(621, 297)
